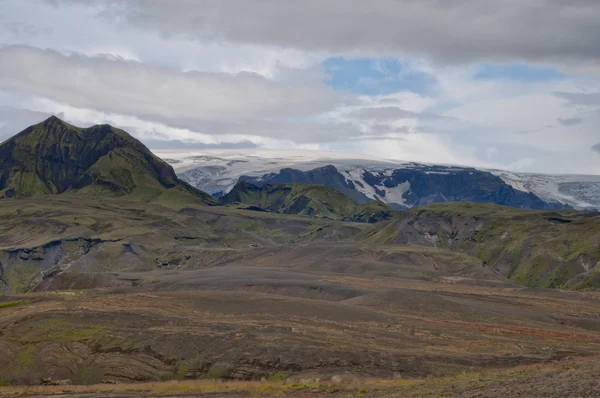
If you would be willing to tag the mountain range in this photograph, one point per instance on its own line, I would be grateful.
(400, 184)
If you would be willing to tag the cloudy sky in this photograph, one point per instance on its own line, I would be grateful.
(511, 84)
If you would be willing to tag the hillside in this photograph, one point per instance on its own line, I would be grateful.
(532, 248)
(54, 157)
(119, 289)
(308, 200)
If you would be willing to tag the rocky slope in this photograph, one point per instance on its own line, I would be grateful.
(55, 157)
(417, 186)
(537, 249)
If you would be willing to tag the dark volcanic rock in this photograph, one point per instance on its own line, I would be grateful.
(428, 184)
(327, 175)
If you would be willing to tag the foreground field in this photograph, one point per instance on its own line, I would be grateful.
(353, 327)
(571, 378)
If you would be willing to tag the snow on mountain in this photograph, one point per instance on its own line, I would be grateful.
(579, 191)
(216, 172)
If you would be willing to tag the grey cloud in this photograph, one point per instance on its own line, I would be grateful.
(389, 113)
(573, 121)
(131, 88)
(25, 30)
(537, 130)
(588, 99)
(596, 147)
(456, 30)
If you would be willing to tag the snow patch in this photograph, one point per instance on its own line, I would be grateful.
(395, 194)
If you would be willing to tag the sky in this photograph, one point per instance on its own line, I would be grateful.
(511, 85)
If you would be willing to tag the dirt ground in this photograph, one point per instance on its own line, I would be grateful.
(317, 327)
(567, 378)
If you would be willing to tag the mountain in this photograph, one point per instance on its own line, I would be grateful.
(54, 157)
(400, 184)
(306, 199)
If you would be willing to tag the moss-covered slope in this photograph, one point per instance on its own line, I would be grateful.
(307, 199)
(532, 248)
(55, 157)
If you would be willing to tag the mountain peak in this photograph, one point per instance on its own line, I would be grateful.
(52, 119)
(53, 157)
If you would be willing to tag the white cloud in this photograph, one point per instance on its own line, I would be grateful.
(157, 93)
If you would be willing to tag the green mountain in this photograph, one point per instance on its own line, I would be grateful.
(54, 157)
(308, 200)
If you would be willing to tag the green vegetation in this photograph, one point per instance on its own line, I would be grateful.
(60, 330)
(9, 304)
(308, 200)
(532, 248)
(55, 157)
(218, 372)
(181, 371)
(25, 359)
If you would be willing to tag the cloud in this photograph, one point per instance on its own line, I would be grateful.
(181, 145)
(202, 99)
(89, 29)
(572, 121)
(596, 147)
(458, 31)
(389, 113)
(589, 99)
(319, 75)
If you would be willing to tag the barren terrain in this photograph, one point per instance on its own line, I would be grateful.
(230, 302)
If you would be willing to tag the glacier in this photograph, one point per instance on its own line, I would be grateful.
(216, 172)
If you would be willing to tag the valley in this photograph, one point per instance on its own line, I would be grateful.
(131, 282)
(118, 290)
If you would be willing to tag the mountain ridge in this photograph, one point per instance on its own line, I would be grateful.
(402, 185)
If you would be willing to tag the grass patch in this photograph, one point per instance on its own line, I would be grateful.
(25, 360)
(58, 330)
(279, 376)
(10, 304)
(181, 370)
(217, 372)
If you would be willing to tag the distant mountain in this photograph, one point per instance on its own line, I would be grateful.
(400, 184)
(306, 199)
(54, 157)
(416, 186)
